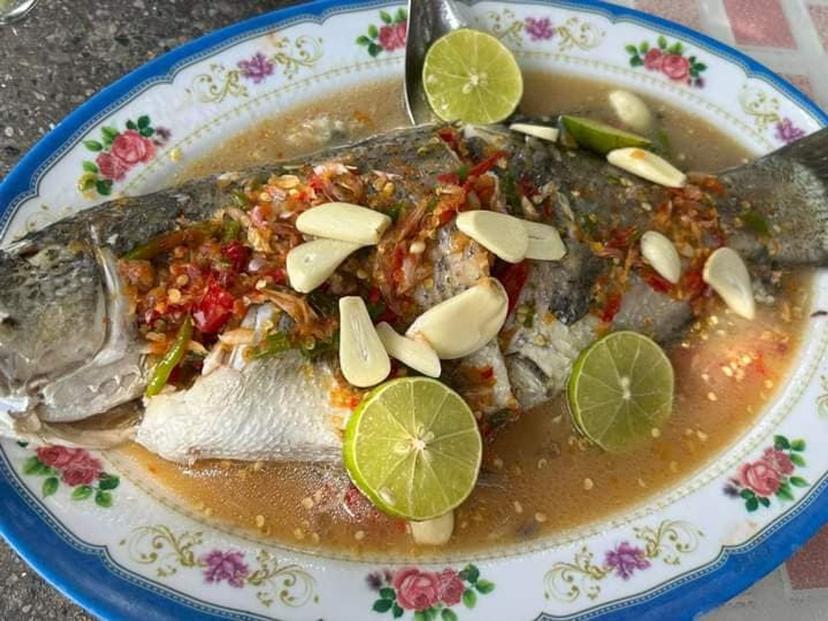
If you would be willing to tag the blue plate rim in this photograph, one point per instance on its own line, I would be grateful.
(87, 574)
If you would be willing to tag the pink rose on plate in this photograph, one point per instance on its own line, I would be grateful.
(111, 167)
(416, 590)
(675, 67)
(759, 477)
(653, 58)
(449, 587)
(82, 470)
(778, 460)
(392, 36)
(131, 147)
(55, 456)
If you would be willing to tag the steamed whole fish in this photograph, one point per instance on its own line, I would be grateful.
(90, 303)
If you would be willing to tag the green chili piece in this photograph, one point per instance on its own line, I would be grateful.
(239, 199)
(319, 348)
(232, 229)
(274, 344)
(510, 192)
(174, 355)
(754, 221)
(395, 211)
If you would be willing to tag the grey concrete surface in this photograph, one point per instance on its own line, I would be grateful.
(59, 56)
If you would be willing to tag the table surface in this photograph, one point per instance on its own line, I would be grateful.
(68, 49)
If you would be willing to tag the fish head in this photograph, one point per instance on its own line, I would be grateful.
(67, 346)
(52, 316)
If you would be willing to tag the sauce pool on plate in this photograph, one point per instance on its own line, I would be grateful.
(540, 479)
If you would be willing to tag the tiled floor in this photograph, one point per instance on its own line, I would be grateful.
(789, 36)
(759, 22)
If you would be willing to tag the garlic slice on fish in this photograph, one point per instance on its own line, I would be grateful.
(543, 132)
(464, 323)
(312, 263)
(725, 271)
(648, 166)
(662, 255)
(545, 243)
(416, 354)
(436, 532)
(345, 222)
(362, 357)
(632, 111)
(499, 233)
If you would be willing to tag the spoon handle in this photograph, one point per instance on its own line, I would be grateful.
(428, 20)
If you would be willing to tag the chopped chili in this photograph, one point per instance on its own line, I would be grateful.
(656, 282)
(513, 278)
(214, 309)
(237, 253)
(611, 308)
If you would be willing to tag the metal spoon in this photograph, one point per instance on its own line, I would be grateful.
(13, 11)
(428, 20)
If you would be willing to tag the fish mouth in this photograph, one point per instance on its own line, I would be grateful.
(16, 396)
(13, 402)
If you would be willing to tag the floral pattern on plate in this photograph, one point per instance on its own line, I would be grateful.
(118, 152)
(772, 475)
(389, 36)
(170, 551)
(669, 59)
(75, 468)
(291, 55)
(431, 595)
(572, 33)
(669, 541)
(764, 109)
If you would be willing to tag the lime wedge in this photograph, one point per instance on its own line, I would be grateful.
(621, 388)
(600, 137)
(413, 448)
(472, 77)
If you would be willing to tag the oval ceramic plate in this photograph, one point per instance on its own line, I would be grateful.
(105, 541)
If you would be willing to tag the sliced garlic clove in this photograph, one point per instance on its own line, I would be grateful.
(345, 222)
(648, 166)
(464, 323)
(362, 357)
(725, 271)
(499, 233)
(416, 354)
(436, 532)
(632, 111)
(545, 243)
(662, 255)
(312, 263)
(543, 132)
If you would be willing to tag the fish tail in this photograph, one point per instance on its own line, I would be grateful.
(784, 196)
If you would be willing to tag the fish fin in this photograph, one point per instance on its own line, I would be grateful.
(101, 432)
(811, 152)
(783, 197)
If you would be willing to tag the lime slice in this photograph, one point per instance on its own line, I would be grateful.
(621, 388)
(600, 137)
(413, 447)
(472, 77)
